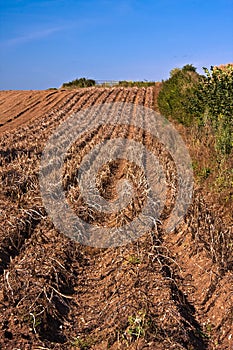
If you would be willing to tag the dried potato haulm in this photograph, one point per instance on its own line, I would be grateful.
(163, 291)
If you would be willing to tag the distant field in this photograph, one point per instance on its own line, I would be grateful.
(18, 107)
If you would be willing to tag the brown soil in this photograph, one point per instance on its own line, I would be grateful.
(164, 291)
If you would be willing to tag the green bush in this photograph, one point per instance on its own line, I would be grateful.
(175, 99)
(80, 83)
(202, 100)
(213, 104)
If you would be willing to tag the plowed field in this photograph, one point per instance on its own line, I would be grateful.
(162, 291)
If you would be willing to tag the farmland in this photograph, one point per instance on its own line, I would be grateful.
(162, 291)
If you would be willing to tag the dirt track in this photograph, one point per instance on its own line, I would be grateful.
(161, 292)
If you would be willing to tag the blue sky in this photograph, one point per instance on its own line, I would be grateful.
(48, 42)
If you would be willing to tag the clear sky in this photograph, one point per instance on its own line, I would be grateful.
(44, 43)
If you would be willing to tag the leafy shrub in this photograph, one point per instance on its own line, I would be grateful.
(213, 104)
(81, 82)
(175, 97)
(201, 99)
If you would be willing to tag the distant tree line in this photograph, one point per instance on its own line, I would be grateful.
(84, 82)
(128, 83)
(79, 83)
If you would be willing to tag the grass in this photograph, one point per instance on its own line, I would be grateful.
(133, 259)
(137, 325)
(83, 343)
